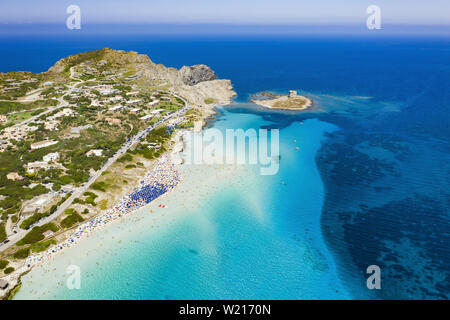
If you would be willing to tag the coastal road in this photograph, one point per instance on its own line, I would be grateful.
(79, 191)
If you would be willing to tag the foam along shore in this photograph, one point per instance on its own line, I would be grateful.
(283, 102)
(163, 178)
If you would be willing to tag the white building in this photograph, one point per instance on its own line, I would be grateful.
(54, 156)
(146, 117)
(107, 91)
(157, 111)
(153, 103)
(116, 108)
(95, 152)
(77, 130)
(133, 101)
(33, 167)
(51, 125)
(67, 112)
(14, 176)
(43, 144)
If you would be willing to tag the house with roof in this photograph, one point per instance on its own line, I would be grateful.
(51, 157)
(95, 152)
(43, 144)
(113, 121)
(14, 176)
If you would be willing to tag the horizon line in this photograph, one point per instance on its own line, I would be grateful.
(224, 29)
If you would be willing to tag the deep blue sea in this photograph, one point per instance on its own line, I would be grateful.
(382, 119)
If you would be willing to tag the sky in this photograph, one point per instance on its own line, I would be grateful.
(271, 12)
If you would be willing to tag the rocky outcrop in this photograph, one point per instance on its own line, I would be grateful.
(195, 83)
(220, 90)
(196, 74)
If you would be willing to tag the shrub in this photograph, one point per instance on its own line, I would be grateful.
(2, 232)
(126, 157)
(104, 204)
(41, 246)
(70, 220)
(9, 270)
(78, 200)
(36, 234)
(209, 100)
(100, 186)
(3, 264)
(21, 254)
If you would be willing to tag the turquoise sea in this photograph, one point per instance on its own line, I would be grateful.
(246, 237)
(368, 184)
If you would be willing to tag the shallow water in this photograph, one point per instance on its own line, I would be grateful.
(228, 232)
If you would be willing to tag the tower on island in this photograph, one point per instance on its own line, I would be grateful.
(292, 93)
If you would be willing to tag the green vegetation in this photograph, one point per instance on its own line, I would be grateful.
(125, 158)
(104, 204)
(130, 166)
(12, 106)
(70, 211)
(36, 217)
(2, 232)
(21, 253)
(90, 199)
(9, 270)
(15, 191)
(36, 234)
(159, 137)
(42, 246)
(209, 100)
(3, 264)
(21, 116)
(191, 115)
(72, 218)
(100, 186)
(82, 57)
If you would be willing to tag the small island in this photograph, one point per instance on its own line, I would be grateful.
(292, 101)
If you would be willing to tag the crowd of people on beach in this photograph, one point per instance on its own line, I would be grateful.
(160, 180)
